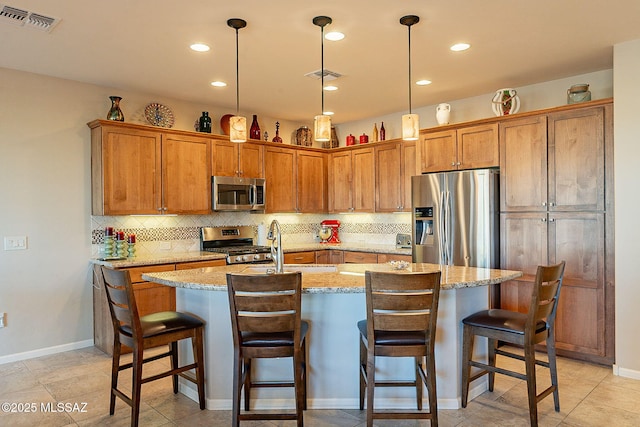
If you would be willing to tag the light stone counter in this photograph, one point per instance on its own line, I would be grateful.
(319, 278)
(176, 257)
(333, 303)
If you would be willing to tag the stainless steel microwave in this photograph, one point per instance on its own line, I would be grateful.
(229, 193)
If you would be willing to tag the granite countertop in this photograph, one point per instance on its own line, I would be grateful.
(324, 278)
(152, 259)
(172, 257)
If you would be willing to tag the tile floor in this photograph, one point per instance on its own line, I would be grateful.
(590, 395)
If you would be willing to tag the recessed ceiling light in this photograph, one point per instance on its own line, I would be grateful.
(331, 87)
(334, 36)
(423, 82)
(328, 113)
(199, 47)
(218, 84)
(458, 47)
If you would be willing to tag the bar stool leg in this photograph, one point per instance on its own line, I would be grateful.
(371, 385)
(551, 353)
(492, 345)
(237, 390)
(467, 353)
(530, 367)
(419, 366)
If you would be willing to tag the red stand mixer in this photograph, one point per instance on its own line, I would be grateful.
(329, 231)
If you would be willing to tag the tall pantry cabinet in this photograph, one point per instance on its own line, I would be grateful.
(556, 200)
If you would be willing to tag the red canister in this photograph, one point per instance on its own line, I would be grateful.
(351, 140)
(364, 139)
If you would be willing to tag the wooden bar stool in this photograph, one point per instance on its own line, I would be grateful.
(402, 309)
(523, 329)
(266, 323)
(140, 333)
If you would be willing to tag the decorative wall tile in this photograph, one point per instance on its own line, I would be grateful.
(182, 233)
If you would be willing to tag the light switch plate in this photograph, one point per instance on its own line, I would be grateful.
(15, 243)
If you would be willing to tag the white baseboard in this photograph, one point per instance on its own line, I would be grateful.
(627, 373)
(45, 351)
(268, 404)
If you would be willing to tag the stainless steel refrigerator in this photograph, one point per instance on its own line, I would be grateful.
(455, 218)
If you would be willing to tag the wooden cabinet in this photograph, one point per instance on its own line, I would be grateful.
(311, 175)
(352, 180)
(360, 257)
(471, 147)
(555, 206)
(395, 164)
(243, 160)
(329, 256)
(280, 165)
(137, 170)
(186, 175)
(308, 257)
(201, 264)
(296, 180)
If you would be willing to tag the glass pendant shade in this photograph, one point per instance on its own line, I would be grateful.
(410, 127)
(322, 128)
(237, 129)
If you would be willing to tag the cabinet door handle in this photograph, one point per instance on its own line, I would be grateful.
(544, 203)
(457, 163)
(552, 204)
(543, 219)
(453, 163)
(552, 220)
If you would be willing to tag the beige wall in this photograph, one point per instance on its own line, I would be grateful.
(626, 157)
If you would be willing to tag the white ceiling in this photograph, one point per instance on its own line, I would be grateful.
(143, 45)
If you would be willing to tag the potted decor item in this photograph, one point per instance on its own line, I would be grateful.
(442, 114)
(505, 102)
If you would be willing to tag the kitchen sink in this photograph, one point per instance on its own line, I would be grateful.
(303, 268)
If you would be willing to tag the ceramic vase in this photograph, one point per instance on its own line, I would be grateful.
(115, 113)
(443, 111)
(505, 102)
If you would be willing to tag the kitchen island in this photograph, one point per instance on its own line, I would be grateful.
(333, 301)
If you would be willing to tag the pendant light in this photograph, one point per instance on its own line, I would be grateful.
(237, 123)
(410, 122)
(322, 122)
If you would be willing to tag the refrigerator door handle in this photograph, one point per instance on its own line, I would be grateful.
(447, 228)
(442, 243)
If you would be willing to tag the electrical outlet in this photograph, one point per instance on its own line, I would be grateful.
(15, 243)
(3, 320)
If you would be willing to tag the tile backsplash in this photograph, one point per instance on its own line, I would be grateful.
(166, 233)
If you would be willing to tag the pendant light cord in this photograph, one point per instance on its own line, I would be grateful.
(409, 30)
(322, 66)
(237, 78)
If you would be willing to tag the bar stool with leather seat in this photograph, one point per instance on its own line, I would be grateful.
(144, 332)
(266, 323)
(402, 309)
(522, 329)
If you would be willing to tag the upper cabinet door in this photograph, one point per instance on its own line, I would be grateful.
(523, 164)
(126, 171)
(186, 174)
(364, 178)
(576, 160)
(311, 173)
(478, 147)
(224, 158)
(251, 160)
(388, 178)
(340, 178)
(437, 151)
(280, 165)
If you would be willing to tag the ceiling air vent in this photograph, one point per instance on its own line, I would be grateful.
(328, 75)
(27, 19)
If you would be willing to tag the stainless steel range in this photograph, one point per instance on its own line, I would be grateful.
(236, 242)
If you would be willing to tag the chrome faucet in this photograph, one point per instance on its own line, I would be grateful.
(276, 253)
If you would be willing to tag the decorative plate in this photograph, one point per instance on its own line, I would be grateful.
(159, 115)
